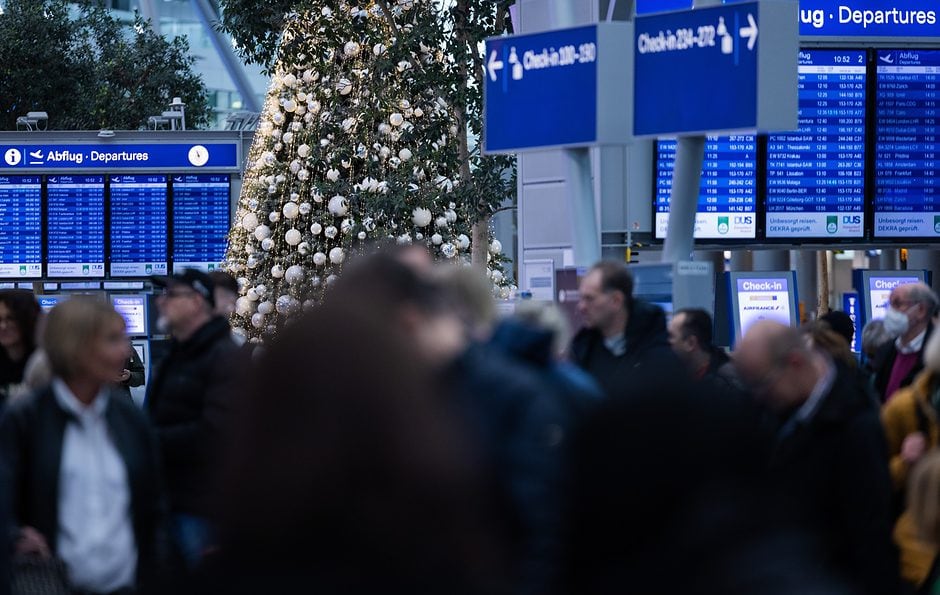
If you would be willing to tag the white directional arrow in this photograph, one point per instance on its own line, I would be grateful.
(749, 32)
(496, 65)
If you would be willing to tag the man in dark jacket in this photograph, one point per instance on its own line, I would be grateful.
(187, 402)
(910, 310)
(621, 336)
(690, 334)
(829, 467)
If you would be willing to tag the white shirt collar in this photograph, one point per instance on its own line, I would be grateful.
(912, 347)
(68, 401)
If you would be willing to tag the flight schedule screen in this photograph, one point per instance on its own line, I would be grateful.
(727, 195)
(20, 226)
(907, 203)
(138, 225)
(75, 226)
(816, 176)
(200, 220)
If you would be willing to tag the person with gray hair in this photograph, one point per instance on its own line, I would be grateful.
(896, 364)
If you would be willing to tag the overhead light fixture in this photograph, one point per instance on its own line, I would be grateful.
(105, 133)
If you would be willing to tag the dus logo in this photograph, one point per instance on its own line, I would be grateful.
(851, 219)
(743, 219)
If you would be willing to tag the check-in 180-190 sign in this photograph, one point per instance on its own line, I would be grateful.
(721, 69)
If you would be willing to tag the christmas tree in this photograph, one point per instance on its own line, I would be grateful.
(363, 137)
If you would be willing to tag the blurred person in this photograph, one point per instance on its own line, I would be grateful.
(188, 401)
(924, 506)
(468, 293)
(622, 336)
(132, 374)
(911, 308)
(840, 323)
(912, 428)
(82, 460)
(874, 336)
(509, 410)
(354, 476)
(829, 469)
(19, 315)
(225, 294)
(821, 336)
(690, 335)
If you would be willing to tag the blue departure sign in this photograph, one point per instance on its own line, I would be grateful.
(816, 176)
(563, 88)
(728, 193)
(715, 69)
(20, 227)
(907, 144)
(85, 157)
(869, 18)
(75, 226)
(200, 220)
(138, 225)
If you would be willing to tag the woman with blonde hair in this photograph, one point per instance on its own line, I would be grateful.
(81, 461)
(924, 503)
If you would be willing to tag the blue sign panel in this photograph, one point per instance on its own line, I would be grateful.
(728, 192)
(20, 226)
(907, 144)
(130, 156)
(654, 6)
(696, 71)
(816, 176)
(138, 225)
(869, 18)
(541, 90)
(75, 226)
(200, 220)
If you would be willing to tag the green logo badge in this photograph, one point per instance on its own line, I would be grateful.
(723, 225)
(211, 267)
(85, 269)
(936, 223)
(832, 223)
(148, 269)
(22, 269)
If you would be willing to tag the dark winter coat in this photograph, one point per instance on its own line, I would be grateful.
(136, 367)
(648, 351)
(831, 479)
(31, 438)
(884, 361)
(187, 402)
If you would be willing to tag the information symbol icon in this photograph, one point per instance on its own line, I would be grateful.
(13, 157)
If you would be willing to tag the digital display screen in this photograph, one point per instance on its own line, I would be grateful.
(763, 299)
(906, 144)
(816, 176)
(48, 302)
(200, 220)
(727, 194)
(879, 290)
(75, 226)
(134, 310)
(138, 225)
(20, 226)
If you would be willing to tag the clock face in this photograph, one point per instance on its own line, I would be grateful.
(199, 155)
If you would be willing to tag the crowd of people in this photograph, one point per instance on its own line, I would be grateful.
(401, 437)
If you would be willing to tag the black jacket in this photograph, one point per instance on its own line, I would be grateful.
(648, 351)
(831, 477)
(187, 402)
(884, 361)
(31, 436)
(138, 375)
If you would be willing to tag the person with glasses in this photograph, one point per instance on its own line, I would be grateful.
(187, 402)
(910, 310)
(19, 314)
(829, 464)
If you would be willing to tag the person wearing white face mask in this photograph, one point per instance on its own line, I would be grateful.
(911, 308)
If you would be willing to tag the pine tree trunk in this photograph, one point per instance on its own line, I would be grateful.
(480, 243)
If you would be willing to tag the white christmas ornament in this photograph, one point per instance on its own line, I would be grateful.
(261, 289)
(265, 308)
(440, 222)
(257, 320)
(262, 231)
(285, 305)
(330, 232)
(396, 119)
(326, 12)
(293, 237)
(274, 216)
(337, 255)
(497, 276)
(463, 242)
(290, 106)
(331, 279)
(291, 210)
(436, 239)
(316, 228)
(303, 175)
(338, 205)
(303, 151)
(384, 128)
(249, 222)
(496, 247)
(347, 225)
(277, 271)
(303, 248)
(294, 274)
(267, 244)
(361, 235)
(295, 166)
(289, 80)
(319, 259)
(250, 248)
(332, 174)
(313, 106)
(451, 215)
(288, 137)
(378, 49)
(243, 306)
(404, 154)
(305, 208)
(344, 86)
(348, 124)
(421, 217)
(448, 250)
(351, 49)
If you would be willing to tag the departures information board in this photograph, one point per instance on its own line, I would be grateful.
(907, 144)
(816, 176)
(20, 227)
(138, 225)
(728, 193)
(200, 220)
(75, 226)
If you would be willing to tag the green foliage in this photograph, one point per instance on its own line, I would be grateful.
(89, 71)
